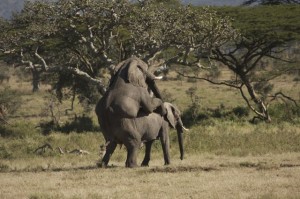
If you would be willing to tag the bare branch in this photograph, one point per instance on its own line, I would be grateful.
(281, 95)
(42, 149)
(208, 80)
(80, 74)
(45, 66)
(26, 62)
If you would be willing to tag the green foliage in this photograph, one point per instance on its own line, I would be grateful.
(78, 44)
(240, 111)
(18, 130)
(265, 32)
(80, 124)
(194, 115)
(263, 87)
(10, 99)
(48, 127)
(285, 112)
(167, 96)
(279, 22)
(270, 2)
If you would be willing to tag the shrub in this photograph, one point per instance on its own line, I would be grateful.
(18, 130)
(241, 111)
(79, 124)
(4, 153)
(48, 126)
(10, 99)
(284, 112)
(4, 167)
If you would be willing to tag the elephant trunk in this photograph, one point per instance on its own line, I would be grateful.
(151, 83)
(179, 129)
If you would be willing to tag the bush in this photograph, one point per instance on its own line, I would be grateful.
(194, 114)
(4, 167)
(284, 112)
(18, 130)
(240, 111)
(10, 99)
(48, 126)
(79, 124)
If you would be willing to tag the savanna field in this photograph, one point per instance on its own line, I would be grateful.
(226, 156)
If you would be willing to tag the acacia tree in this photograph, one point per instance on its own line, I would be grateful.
(260, 40)
(74, 41)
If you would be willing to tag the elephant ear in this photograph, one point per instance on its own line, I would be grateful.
(170, 114)
(136, 72)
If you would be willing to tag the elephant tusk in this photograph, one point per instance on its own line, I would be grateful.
(158, 78)
(185, 128)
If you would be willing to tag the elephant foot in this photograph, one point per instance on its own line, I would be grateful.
(144, 165)
(167, 163)
(132, 165)
(101, 164)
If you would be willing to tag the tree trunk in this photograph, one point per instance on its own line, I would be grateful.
(262, 112)
(35, 80)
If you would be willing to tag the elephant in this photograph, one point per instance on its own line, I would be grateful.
(128, 94)
(128, 90)
(145, 128)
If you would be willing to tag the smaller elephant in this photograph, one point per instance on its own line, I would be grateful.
(146, 128)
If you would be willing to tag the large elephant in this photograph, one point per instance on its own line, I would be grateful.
(146, 128)
(128, 94)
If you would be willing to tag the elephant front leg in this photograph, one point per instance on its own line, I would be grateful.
(110, 148)
(146, 160)
(165, 143)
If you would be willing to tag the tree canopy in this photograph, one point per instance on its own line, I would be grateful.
(81, 40)
(77, 43)
(270, 2)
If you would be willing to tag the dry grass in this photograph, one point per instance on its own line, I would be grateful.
(198, 176)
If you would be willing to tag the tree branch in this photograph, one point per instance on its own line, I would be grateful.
(208, 80)
(280, 94)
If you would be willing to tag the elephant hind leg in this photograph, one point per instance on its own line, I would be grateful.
(110, 148)
(147, 157)
(132, 152)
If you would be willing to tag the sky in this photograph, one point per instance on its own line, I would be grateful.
(8, 6)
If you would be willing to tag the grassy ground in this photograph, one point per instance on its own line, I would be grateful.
(222, 160)
(198, 176)
(225, 157)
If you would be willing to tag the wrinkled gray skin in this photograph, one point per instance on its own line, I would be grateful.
(146, 128)
(127, 98)
(155, 126)
(128, 90)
